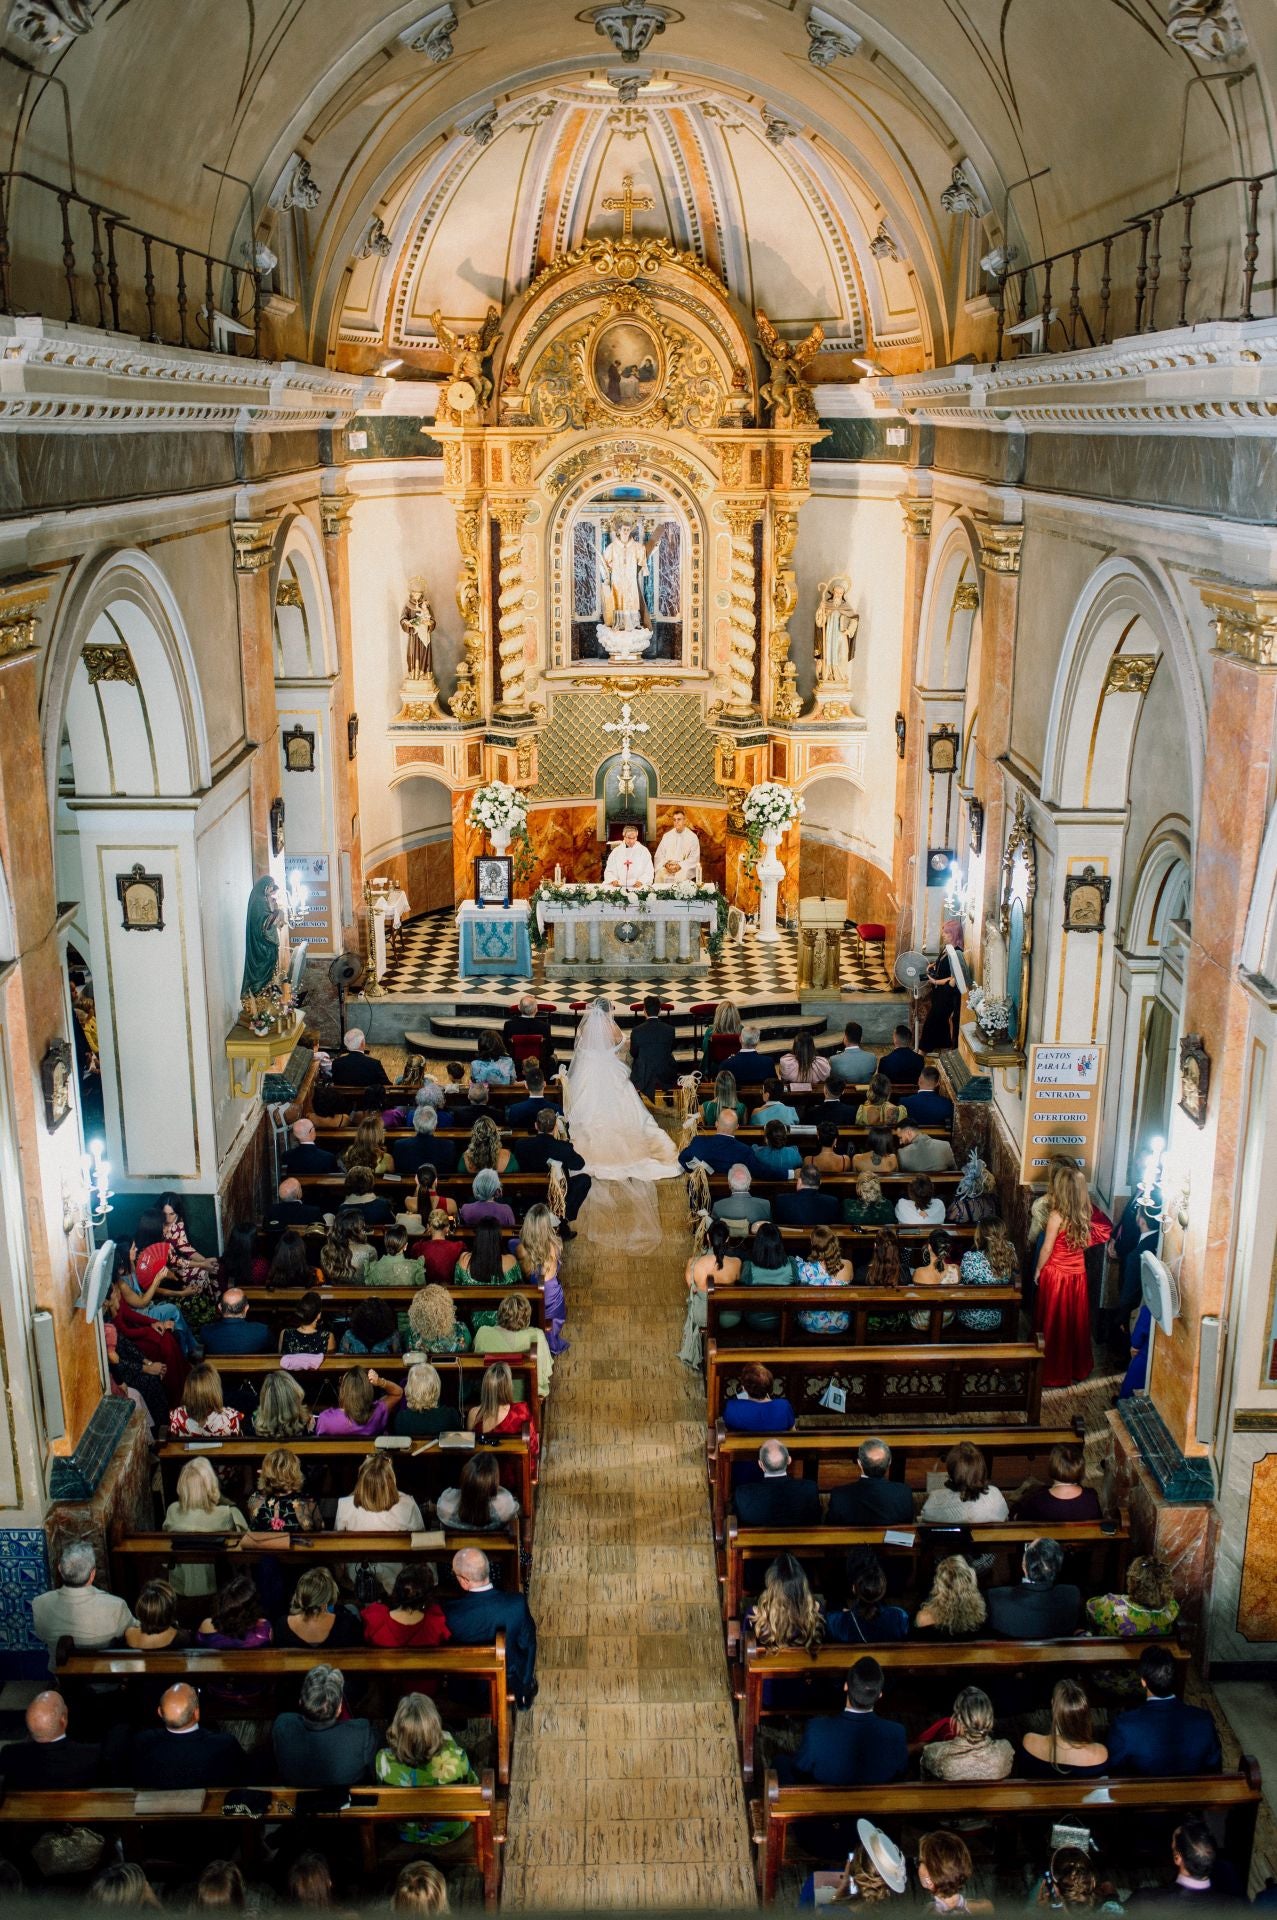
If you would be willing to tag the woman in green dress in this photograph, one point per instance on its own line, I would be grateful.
(419, 1753)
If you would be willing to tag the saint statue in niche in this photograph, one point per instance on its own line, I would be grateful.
(836, 624)
(622, 565)
(418, 623)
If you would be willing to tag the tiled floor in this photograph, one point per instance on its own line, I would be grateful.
(626, 1786)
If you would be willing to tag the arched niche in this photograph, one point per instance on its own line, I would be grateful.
(310, 754)
(949, 630)
(305, 640)
(614, 804)
(418, 851)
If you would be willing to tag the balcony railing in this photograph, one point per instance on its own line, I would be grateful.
(115, 274)
(1110, 288)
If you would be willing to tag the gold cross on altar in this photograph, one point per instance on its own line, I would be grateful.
(626, 202)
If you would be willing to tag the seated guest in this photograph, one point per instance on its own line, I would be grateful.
(310, 1884)
(433, 1326)
(1201, 1877)
(903, 1064)
(777, 1500)
(755, 1409)
(965, 1749)
(304, 1156)
(377, 1506)
(412, 1617)
(498, 1412)
(418, 1753)
(521, 1114)
(79, 1609)
(359, 1415)
(346, 1251)
(357, 1067)
(393, 1268)
(767, 1263)
(316, 1617)
(359, 1196)
(920, 1206)
(529, 1021)
(487, 1203)
(277, 1504)
(878, 1109)
(419, 1414)
(806, 1206)
(776, 1157)
(853, 1065)
(725, 1099)
(290, 1210)
(241, 1265)
(487, 1264)
(945, 1868)
(854, 1748)
(802, 1069)
(714, 1265)
(539, 1252)
(235, 1619)
(282, 1413)
(869, 1617)
(750, 1068)
(318, 1747)
(1070, 1748)
(480, 1504)
(155, 1629)
(1163, 1735)
(966, 1498)
(929, 1107)
(536, 1155)
(48, 1760)
(828, 1158)
(368, 1148)
(233, 1331)
(420, 1890)
(834, 1110)
(515, 1333)
(786, 1612)
(373, 1328)
(454, 1091)
(289, 1266)
(954, 1609)
(773, 1107)
(199, 1508)
(870, 1208)
(180, 1752)
(975, 1196)
(825, 1266)
(419, 1206)
(484, 1149)
(1036, 1609)
(924, 1153)
(440, 1250)
(203, 1412)
(720, 1150)
(425, 1146)
(652, 1064)
(1066, 1498)
(492, 1065)
(478, 1613)
(874, 1500)
(1148, 1606)
(937, 1268)
(741, 1209)
(991, 1262)
(461, 1117)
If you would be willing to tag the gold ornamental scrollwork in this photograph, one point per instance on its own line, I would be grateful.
(22, 601)
(334, 515)
(109, 663)
(254, 543)
(289, 593)
(918, 514)
(1130, 672)
(467, 697)
(1000, 547)
(1244, 620)
(786, 702)
(966, 597)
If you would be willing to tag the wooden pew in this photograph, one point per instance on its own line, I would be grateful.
(858, 1242)
(811, 1450)
(1003, 1376)
(403, 1667)
(370, 1808)
(279, 1305)
(859, 1303)
(345, 1457)
(894, 1185)
(140, 1557)
(337, 1139)
(461, 1373)
(743, 1547)
(925, 1804)
(950, 1663)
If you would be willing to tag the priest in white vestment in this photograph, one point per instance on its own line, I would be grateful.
(679, 854)
(628, 865)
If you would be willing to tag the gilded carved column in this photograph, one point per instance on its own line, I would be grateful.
(511, 588)
(334, 517)
(917, 515)
(1000, 546)
(467, 700)
(741, 517)
(254, 545)
(786, 702)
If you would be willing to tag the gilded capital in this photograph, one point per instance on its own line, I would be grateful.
(21, 603)
(1244, 619)
(741, 516)
(1131, 672)
(254, 542)
(511, 516)
(334, 514)
(1000, 547)
(917, 515)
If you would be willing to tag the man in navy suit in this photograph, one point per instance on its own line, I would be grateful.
(903, 1063)
(749, 1067)
(776, 1500)
(874, 1500)
(1036, 1609)
(290, 1210)
(478, 1613)
(425, 1146)
(233, 1331)
(928, 1107)
(536, 1154)
(304, 1156)
(806, 1206)
(522, 1114)
(1163, 1736)
(721, 1150)
(179, 1752)
(854, 1748)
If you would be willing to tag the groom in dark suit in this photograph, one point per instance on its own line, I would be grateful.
(479, 1612)
(652, 1051)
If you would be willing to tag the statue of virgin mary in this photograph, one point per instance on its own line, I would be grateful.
(263, 966)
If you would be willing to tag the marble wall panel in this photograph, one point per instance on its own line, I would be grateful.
(835, 871)
(425, 874)
(1184, 1537)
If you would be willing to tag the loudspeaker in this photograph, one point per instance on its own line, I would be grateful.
(46, 1360)
(1208, 1344)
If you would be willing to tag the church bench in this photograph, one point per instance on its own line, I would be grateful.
(145, 1556)
(895, 1186)
(520, 1190)
(858, 1242)
(1107, 1541)
(279, 1304)
(860, 1303)
(341, 1460)
(926, 1446)
(461, 1373)
(337, 1139)
(923, 1805)
(402, 1667)
(946, 1664)
(805, 1132)
(371, 1808)
(998, 1376)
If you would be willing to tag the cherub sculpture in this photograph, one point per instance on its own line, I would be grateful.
(469, 351)
(785, 392)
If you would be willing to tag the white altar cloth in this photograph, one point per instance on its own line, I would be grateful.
(590, 930)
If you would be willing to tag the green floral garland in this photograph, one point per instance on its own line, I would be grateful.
(591, 895)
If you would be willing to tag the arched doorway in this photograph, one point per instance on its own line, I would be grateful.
(309, 867)
(418, 854)
(946, 675)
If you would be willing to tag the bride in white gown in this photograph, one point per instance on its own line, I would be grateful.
(612, 1130)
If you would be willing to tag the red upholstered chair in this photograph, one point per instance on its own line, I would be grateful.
(721, 1047)
(524, 1047)
(636, 1006)
(702, 1013)
(870, 933)
(543, 1006)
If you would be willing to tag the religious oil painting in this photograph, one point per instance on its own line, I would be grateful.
(626, 364)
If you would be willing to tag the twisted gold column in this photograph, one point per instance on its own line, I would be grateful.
(511, 516)
(741, 519)
(786, 702)
(467, 698)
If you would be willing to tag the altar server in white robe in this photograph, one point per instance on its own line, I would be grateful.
(679, 854)
(628, 865)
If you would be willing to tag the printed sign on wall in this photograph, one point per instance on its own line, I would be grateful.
(1062, 1110)
(310, 898)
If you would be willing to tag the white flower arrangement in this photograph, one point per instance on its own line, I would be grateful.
(496, 806)
(769, 807)
(993, 1015)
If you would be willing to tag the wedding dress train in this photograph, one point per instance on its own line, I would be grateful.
(611, 1129)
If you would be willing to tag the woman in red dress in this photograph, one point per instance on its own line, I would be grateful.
(1064, 1307)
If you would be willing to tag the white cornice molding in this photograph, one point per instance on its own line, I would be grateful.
(60, 378)
(1217, 379)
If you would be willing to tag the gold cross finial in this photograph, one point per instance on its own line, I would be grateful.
(626, 202)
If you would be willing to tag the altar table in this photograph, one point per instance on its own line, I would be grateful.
(494, 940)
(658, 934)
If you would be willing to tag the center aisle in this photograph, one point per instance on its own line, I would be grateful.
(626, 1786)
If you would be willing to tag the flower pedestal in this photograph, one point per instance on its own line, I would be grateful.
(500, 837)
(770, 875)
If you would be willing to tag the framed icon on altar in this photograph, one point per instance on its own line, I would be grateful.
(493, 880)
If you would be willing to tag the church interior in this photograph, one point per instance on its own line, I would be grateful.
(638, 657)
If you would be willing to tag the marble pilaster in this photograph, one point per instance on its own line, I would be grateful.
(918, 517)
(253, 542)
(1000, 546)
(335, 519)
